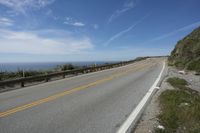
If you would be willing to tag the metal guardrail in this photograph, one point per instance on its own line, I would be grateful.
(47, 77)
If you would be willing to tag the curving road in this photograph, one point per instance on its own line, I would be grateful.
(92, 103)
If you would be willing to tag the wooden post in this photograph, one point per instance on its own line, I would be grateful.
(46, 79)
(22, 84)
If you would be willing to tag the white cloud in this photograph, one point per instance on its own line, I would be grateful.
(77, 24)
(6, 21)
(72, 22)
(80, 24)
(32, 43)
(22, 6)
(128, 5)
(68, 18)
(121, 33)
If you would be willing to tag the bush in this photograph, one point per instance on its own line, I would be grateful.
(177, 82)
(194, 65)
(67, 67)
(179, 64)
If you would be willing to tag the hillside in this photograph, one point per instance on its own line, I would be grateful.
(186, 54)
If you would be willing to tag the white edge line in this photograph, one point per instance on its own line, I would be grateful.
(133, 116)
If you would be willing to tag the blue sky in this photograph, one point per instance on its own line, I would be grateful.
(92, 30)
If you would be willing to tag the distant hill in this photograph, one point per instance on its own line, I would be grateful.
(186, 54)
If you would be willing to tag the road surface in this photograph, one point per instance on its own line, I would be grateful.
(92, 103)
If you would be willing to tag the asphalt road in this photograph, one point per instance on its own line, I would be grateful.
(92, 103)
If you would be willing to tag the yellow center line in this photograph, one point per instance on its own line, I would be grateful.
(53, 97)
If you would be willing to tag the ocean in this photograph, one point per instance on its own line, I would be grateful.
(37, 66)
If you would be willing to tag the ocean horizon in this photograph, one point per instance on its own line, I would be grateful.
(40, 66)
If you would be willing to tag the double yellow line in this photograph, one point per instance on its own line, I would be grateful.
(53, 97)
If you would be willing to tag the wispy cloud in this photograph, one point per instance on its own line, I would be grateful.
(188, 27)
(21, 6)
(95, 26)
(80, 24)
(123, 32)
(72, 22)
(49, 13)
(28, 42)
(6, 22)
(128, 5)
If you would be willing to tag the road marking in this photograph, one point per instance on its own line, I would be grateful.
(53, 97)
(134, 115)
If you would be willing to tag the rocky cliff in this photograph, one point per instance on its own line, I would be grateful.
(186, 54)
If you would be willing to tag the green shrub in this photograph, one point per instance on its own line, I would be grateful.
(67, 67)
(177, 82)
(194, 65)
(179, 64)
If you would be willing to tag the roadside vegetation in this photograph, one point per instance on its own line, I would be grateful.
(194, 65)
(28, 73)
(180, 109)
(186, 54)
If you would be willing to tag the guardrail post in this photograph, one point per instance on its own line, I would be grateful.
(46, 79)
(22, 84)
